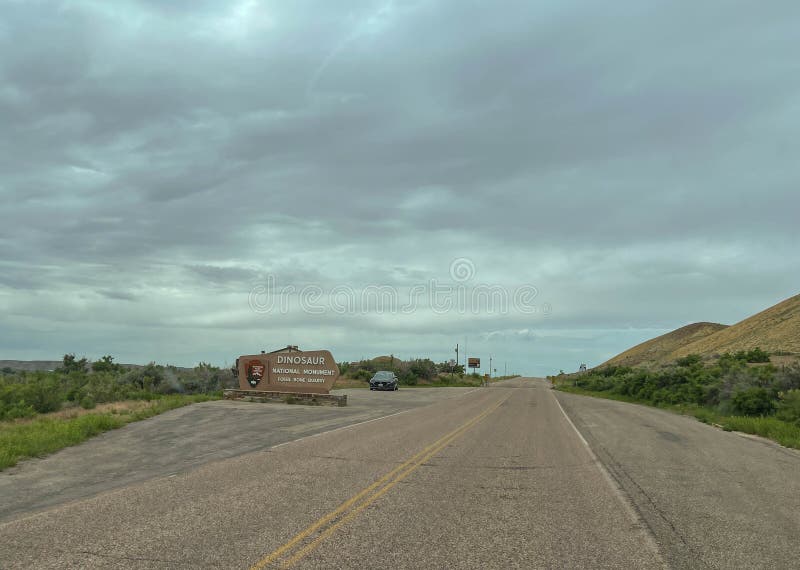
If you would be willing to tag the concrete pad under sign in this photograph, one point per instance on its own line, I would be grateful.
(287, 397)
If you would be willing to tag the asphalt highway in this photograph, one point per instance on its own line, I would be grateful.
(509, 476)
(184, 439)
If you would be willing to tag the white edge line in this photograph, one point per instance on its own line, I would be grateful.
(617, 490)
(580, 435)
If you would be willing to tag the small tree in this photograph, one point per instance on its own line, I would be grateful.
(71, 364)
(757, 355)
(106, 364)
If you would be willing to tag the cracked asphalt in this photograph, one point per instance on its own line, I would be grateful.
(490, 478)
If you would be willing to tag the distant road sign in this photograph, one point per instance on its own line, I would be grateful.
(474, 363)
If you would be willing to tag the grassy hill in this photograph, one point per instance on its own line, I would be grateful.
(659, 349)
(776, 329)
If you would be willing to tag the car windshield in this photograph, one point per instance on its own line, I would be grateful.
(383, 376)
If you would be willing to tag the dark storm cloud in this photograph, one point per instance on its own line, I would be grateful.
(118, 295)
(635, 161)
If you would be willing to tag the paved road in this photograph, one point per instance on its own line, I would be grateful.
(712, 499)
(184, 439)
(493, 478)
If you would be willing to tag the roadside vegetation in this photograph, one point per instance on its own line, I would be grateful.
(419, 372)
(739, 391)
(42, 412)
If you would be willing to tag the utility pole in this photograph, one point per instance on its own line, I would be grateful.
(490, 367)
(466, 361)
(456, 354)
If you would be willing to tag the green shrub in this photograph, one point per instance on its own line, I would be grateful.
(363, 374)
(17, 411)
(41, 392)
(422, 368)
(789, 406)
(689, 360)
(206, 379)
(147, 378)
(408, 378)
(106, 364)
(754, 355)
(753, 402)
(788, 378)
(88, 403)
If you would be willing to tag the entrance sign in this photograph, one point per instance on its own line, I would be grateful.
(309, 372)
(474, 362)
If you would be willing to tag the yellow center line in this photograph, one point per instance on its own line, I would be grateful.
(372, 498)
(391, 479)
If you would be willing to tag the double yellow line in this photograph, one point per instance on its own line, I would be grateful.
(302, 544)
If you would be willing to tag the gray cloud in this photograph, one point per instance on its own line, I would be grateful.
(635, 162)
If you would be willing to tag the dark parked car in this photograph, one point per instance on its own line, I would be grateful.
(383, 380)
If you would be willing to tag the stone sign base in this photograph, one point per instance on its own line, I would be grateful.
(287, 397)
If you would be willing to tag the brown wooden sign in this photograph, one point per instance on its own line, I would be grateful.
(309, 372)
(474, 363)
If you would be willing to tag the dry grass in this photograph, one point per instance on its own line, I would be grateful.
(776, 329)
(784, 360)
(342, 383)
(658, 349)
(126, 406)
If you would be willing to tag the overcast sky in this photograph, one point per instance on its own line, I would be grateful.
(193, 180)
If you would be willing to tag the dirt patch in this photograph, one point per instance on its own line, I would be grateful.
(342, 383)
